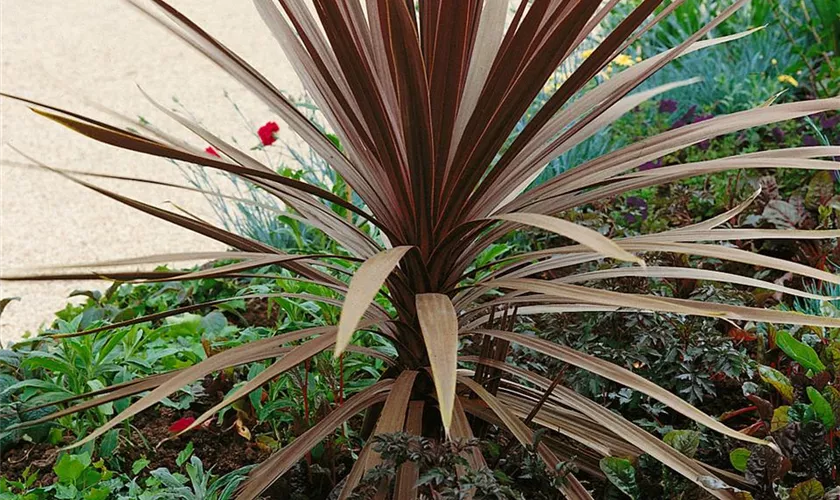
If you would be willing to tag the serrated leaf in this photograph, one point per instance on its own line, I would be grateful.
(738, 458)
(799, 352)
(807, 490)
(822, 408)
(780, 418)
(621, 474)
(778, 380)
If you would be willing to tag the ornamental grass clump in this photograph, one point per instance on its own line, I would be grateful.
(424, 98)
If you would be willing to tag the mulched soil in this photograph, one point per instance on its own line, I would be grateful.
(39, 457)
(256, 314)
(219, 447)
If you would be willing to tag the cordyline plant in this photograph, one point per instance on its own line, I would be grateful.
(424, 97)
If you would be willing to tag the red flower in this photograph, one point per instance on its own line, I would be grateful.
(209, 150)
(266, 133)
(181, 424)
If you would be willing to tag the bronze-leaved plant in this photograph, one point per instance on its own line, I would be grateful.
(424, 97)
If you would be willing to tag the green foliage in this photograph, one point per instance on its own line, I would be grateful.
(778, 380)
(817, 24)
(822, 409)
(445, 473)
(684, 441)
(621, 473)
(803, 354)
(78, 478)
(807, 490)
(738, 458)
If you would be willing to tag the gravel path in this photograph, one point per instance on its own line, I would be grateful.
(62, 52)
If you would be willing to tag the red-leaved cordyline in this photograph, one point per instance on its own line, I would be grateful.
(425, 98)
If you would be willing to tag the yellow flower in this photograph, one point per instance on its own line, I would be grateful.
(586, 53)
(624, 60)
(789, 80)
(774, 61)
(638, 58)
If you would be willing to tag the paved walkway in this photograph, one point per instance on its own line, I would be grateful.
(57, 51)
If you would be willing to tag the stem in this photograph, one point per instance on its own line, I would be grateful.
(811, 71)
(341, 380)
(810, 26)
(537, 407)
(305, 390)
(735, 413)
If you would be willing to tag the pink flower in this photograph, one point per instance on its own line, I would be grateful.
(181, 424)
(266, 133)
(209, 150)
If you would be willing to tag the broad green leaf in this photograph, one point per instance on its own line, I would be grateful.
(364, 286)
(100, 493)
(97, 385)
(186, 324)
(138, 465)
(684, 441)
(822, 408)
(184, 455)
(109, 443)
(780, 418)
(621, 474)
(778, 380)
(799, 352)
(807, 490)
(439, 326)
(738, 458)
(70, 467)
(66, 491)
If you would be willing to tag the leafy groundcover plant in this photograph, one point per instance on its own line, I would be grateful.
(424, 98)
